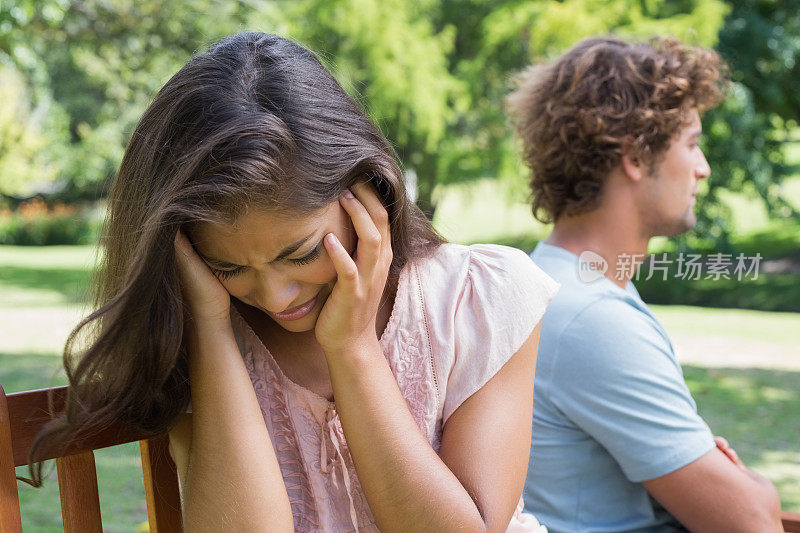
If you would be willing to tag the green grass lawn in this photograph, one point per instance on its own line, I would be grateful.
(758, 411)
(42, 291)
(743, 368)
(780, 329)
(485, 211)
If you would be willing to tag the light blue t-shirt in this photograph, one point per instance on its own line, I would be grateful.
(611, 408)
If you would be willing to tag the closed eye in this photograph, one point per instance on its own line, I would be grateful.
(227, 274)
(309, 257)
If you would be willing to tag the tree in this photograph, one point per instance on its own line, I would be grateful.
(26, 158)
(761, 41)
(433, 74)
(495, 40)
(99, 63)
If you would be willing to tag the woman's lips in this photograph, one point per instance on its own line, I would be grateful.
(298, 312)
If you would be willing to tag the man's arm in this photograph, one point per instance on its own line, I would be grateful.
(715, 494)
(627, 392)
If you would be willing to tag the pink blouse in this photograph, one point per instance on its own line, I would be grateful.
(458, 316)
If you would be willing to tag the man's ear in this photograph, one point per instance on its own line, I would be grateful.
(632, 165)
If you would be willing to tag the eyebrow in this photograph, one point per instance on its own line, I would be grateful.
(286, 252)
(696, 133)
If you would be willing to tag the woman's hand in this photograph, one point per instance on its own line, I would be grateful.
(208, 300)
(227, 438)
(347, 320)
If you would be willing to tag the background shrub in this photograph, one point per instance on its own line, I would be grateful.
(34, 223)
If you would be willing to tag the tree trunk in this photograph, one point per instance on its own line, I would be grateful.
(426, 182)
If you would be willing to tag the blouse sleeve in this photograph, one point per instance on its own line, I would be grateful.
(502, 299)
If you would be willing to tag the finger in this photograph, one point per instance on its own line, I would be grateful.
(369, 238)
(181, 241)
(346, 269)
(187, 256)
(734, 457)
(369, 198)
(183, 250)
(730, 453)
(192, 269)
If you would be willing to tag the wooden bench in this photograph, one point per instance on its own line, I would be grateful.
(791, 522)
(23, 414)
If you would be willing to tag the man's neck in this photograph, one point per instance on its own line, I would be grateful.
(617, 239)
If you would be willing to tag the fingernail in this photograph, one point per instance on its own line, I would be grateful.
(347, 193)
(331, 238)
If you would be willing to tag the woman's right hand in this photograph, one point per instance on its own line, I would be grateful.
(208, 300)
(227, 437)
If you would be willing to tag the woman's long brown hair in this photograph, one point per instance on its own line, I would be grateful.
(255, 122)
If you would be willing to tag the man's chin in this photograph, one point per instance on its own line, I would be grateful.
(677, 227)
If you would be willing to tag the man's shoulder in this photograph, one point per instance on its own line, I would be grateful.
(596, 320)
(585, 299)
(595, 310)
(601, 336)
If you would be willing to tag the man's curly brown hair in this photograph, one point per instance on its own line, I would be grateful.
(603, 97)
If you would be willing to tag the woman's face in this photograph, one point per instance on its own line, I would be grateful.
(276, 262)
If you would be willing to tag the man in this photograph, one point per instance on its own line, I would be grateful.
(610, 131)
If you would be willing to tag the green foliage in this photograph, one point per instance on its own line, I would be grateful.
(748, 135)
(24, 145)
(433, 74)
(495, 40)
(774, 289)
(745, 149)
(560, 24)
(761, 38)
(770, 292)
(400, 71)
(101, 63)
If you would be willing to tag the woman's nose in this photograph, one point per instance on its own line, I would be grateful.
(276, 292)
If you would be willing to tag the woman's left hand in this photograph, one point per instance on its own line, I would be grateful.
(347, 320)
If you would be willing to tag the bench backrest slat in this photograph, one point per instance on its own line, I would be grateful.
(10, 519)
(80, 500)
(160, 489)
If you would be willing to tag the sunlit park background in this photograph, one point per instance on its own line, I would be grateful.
(76, 75)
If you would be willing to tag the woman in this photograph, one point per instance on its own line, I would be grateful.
(347, 369)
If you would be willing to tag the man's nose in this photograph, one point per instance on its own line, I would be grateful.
(703, 169)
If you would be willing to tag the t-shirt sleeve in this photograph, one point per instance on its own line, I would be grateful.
(503, 298)
(615, 376)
